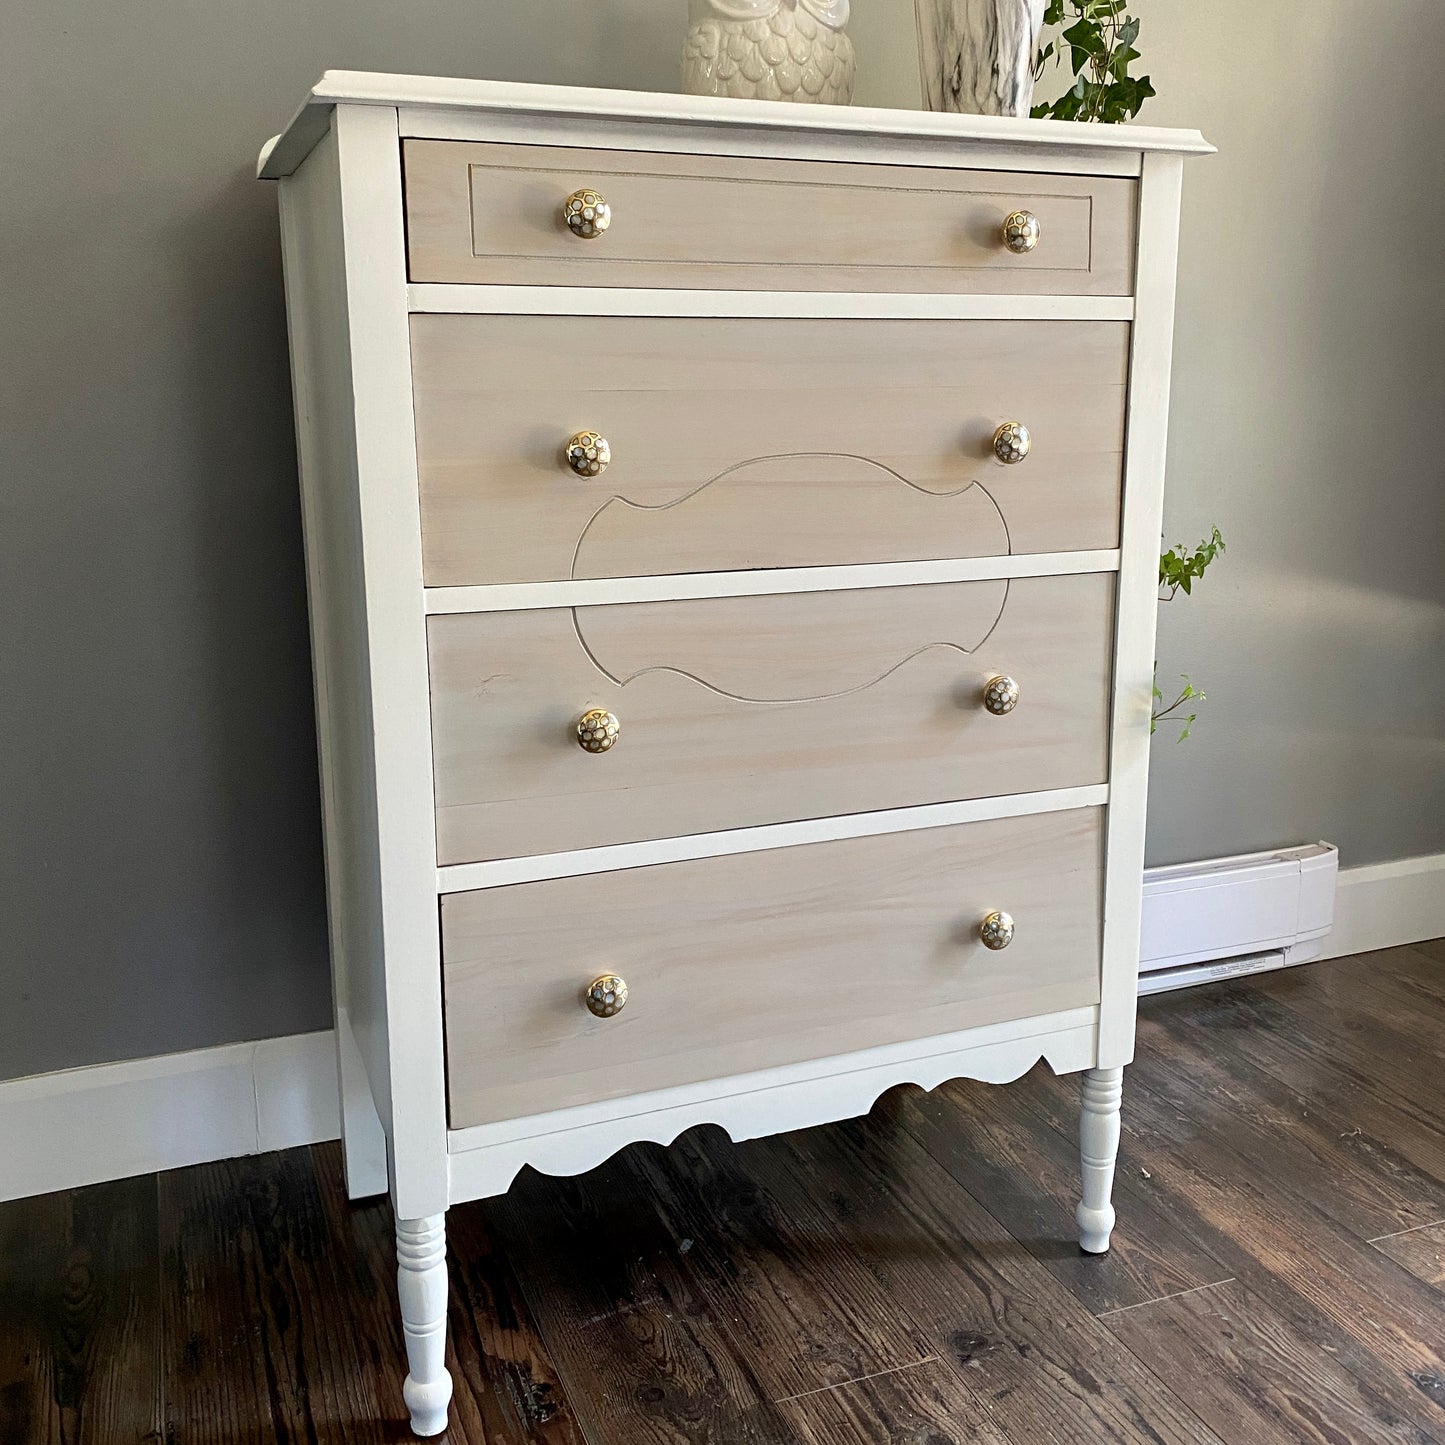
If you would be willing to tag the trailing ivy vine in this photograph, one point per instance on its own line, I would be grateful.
(1096, 39)
(1179, 569)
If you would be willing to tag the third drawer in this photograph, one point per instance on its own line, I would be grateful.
(740, 711)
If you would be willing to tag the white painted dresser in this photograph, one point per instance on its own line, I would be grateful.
(732, 533)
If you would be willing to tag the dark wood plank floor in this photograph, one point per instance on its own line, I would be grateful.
(906, 1279)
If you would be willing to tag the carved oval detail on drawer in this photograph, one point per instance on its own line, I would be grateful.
(800, 652)
(796, 510)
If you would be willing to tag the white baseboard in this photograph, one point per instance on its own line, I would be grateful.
(111, 1121)
(81, 1126)
(1388, 904)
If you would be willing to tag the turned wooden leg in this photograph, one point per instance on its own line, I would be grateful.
(421, 1282)
(1098, 1149)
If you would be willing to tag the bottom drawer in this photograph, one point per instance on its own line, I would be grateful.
(760, 959)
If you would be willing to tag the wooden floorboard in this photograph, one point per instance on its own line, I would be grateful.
(906, 1279)
(80, 1356)
(645, 1358)
(1308, 1147)
(1025, 1172)
(255, 1347)
(1031, 1353)
(926, 1404)
(1329, 1285)
(798, 1301)
(1242, 1368)
(507, 1385)
(1421, 1251)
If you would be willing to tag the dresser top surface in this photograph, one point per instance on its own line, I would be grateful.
(420, 94)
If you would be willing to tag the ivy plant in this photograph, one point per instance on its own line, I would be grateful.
(1180, 567)
(1096, 39)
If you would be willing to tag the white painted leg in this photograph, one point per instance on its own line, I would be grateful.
(421, 1282)
(1098, 1149)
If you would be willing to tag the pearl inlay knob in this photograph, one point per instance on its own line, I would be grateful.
(1021, 232)
(997, 930)
(588, 453)
(1000, 695)
(597, 730)
(1012, 442)
(587, 214)
(607, 995)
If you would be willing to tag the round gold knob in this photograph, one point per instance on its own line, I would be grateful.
(1012, 442)
(597, 730)
(588, 453)
(587, 214)
(606, 995)
(1000, 695)
(1021, 232)
(996, 931)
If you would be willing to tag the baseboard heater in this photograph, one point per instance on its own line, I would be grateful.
(1231, 916)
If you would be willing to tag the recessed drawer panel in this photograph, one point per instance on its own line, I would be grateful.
(493, 213)
(740, 711)
(741, 443)
(762, 959)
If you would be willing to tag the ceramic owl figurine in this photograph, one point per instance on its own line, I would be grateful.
(769, 50)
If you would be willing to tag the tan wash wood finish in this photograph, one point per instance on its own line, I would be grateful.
(493, 213)
(749, 710)
(761, 959)
(741, 443)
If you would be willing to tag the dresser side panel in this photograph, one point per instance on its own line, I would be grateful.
(390, 537)
(312, 244)
(347, 304)
(1145, 447)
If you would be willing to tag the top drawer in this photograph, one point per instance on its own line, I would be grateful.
(493, 213)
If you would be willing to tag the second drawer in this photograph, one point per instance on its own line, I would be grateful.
(741, 711)
(740, 443)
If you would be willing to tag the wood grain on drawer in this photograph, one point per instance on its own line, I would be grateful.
(493, 213)
(761, 959)
(742, 443)
(749, 710)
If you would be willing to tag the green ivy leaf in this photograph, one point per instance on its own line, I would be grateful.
(1099, 38)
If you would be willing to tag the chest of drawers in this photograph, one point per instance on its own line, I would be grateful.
(731, 533)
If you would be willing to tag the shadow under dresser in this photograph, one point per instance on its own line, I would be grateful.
(731, 537)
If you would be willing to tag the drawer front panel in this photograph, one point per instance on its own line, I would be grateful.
(744, 443)
(493, 213)
(763, 959)
(749, 710)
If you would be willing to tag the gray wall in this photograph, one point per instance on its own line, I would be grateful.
(160, 881)
(161, 875)
(1309, 379)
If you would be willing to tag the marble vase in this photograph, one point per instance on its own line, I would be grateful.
(769, 50)
(977, 56)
